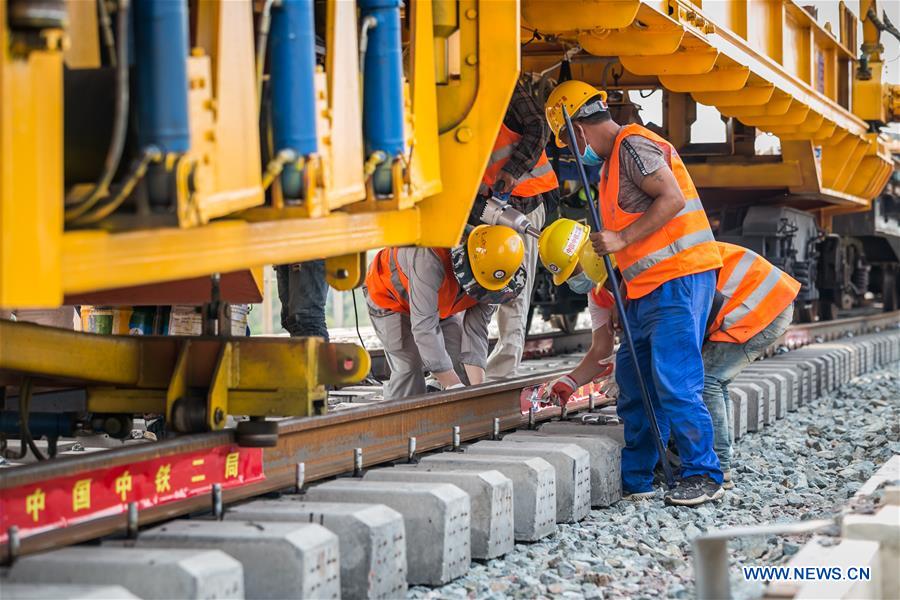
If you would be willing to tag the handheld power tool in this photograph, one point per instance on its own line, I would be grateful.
(499, 212)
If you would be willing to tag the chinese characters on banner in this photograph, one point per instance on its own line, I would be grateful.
(63, 501)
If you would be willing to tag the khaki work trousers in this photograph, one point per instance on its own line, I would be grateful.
(402, 353)
(511, 317)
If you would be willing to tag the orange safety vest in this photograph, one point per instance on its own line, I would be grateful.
(755, 291)
(683, 246)
(388, 285)
(538, 180)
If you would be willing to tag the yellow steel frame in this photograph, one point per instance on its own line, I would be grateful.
(449, 146)
(765, 62)
(135, 374)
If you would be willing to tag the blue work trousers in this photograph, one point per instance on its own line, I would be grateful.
(668, 326)
(303, 291)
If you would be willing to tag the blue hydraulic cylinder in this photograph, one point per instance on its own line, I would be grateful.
(39, 424)
(292, 67)
(383, 79)
(161, 46)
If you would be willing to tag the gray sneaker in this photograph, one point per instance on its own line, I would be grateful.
(694, 491)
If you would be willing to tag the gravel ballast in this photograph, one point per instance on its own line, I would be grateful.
(806, 466)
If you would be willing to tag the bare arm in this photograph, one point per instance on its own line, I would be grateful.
(667, 202)
(601, 347)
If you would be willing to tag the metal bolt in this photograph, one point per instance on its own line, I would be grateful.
(218, 416)
(131, 526)
(411, 450)
(12, 543)
(495, 430)
(471, 60)
(591, 401)
(342, 273)
(471, 14)
(530, 417)
(357, 462)
(456, 438)
(464, 135)
(300, 476)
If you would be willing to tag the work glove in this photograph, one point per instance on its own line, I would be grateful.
(560, 390)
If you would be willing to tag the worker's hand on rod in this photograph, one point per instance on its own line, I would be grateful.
(606, 242)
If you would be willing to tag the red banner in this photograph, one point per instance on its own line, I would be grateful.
(64, 501)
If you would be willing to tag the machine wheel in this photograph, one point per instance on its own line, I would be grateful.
(828, 310)
(806, 314)
(257, 433)
(565, 323)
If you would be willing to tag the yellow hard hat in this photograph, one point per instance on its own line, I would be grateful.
(559, 247)
(495, 252)
(573, 95)
(592, 264)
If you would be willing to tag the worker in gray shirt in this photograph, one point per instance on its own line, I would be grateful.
(430, 307)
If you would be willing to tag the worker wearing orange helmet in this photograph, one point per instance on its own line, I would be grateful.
(430, 307)
(655, 226)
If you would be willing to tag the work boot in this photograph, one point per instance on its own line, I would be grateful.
(727, 483)
(694, 490)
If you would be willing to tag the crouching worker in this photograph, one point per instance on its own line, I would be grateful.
(430, 307)
(753, 307)
(564, 250)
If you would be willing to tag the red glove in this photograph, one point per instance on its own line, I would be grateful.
(562, 389)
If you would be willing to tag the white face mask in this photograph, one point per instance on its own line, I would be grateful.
(580, 284)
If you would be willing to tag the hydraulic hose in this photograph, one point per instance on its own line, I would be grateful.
(620, 305)
(120, 125)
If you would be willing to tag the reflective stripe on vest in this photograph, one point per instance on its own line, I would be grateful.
(755, 292)
(683, 246)
(388, 285)
(539, 179)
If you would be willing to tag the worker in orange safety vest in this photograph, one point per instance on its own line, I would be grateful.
(656, 228)
(519, 169)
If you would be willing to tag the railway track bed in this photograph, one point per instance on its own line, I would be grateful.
(528, 495)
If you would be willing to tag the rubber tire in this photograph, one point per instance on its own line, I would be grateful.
(257, 434)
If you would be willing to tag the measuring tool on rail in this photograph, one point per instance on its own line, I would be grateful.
(597, 223)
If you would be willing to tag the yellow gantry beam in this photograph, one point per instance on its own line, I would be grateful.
(767, 63)
(451, 128)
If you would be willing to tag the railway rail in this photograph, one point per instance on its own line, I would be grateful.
(309, 449)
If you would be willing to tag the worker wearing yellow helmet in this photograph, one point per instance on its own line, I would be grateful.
(565, 252)
(430, 307)
(655, 226)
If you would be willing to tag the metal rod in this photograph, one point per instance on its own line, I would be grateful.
(301, 476)
(131, 527)
(411, 450)
(495, 431)
(12, 544)
(456, 437)
(592, 402)
(531, 417)
(218, 507)
(617, 296)
(357, 462)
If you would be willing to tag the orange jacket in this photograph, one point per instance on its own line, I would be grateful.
(755, 292)
(388, 286)
(538, 180)
(683, 246)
